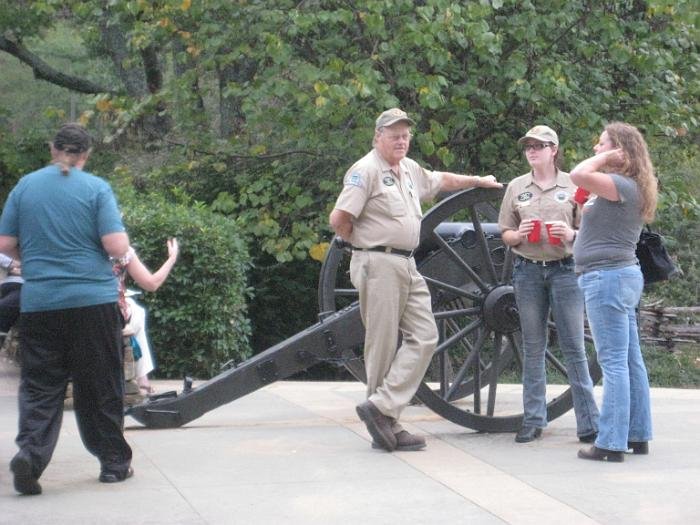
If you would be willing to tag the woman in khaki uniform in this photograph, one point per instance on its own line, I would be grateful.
(537, 221)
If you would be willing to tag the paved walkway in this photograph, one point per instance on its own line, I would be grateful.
(295, 453)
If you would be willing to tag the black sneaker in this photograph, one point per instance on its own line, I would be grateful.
(109, 476)
(25, 482)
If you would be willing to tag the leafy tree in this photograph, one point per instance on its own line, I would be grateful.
(257, 107)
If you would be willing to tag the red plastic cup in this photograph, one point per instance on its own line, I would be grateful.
(534, 235)
(551, 238)
(581, 196)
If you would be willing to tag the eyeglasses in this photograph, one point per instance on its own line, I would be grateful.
(396, 138)
(537, 147)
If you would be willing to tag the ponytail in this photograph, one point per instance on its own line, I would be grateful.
(69, 144)
(64, 161)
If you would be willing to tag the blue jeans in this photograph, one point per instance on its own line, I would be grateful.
(538, 290)
(611, 298)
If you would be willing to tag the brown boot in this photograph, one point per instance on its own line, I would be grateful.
(378, 425)
(405, 442)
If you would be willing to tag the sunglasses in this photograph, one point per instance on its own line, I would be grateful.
(537, 147)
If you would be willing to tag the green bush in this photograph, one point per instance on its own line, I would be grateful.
(678, 219)
(197, 320)
(19, 154)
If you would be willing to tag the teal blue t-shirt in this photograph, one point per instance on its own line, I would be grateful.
(58, 221)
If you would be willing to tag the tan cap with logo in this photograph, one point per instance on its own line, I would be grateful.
(392, 116)
(541, 133)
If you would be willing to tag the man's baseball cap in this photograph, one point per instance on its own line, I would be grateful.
(392, 116)
(541, 133)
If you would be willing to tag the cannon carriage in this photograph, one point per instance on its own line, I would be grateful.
(468, 271)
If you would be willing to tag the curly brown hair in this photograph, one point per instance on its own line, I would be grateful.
(638, 165)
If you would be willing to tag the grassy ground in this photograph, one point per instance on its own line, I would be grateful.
(679, 368)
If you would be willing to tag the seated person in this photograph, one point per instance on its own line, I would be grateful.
(134, 315)
(136, 330)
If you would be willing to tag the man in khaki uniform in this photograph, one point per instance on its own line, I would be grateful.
(378, 212)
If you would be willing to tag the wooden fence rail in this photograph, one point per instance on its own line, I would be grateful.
(669, 325)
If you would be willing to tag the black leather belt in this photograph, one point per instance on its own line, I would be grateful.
(387, 249)
(556, 262)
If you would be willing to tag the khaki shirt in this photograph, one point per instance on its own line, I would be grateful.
(386, 206)
(526, 200)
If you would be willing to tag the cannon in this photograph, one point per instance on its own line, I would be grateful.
(468, 271)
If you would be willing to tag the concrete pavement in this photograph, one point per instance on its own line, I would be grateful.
(295, 452)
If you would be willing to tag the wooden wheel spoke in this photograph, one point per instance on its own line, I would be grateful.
(346, 292)
(458, 336)
(495, 368)
(463, 343)
(448, 287)
(445, 314)
(483, 244)
(461, 263)
(471, 360)
(517, 351)
(552, 359)
(507, 271)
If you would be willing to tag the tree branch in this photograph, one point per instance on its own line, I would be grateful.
(43, 71)
(246, 157)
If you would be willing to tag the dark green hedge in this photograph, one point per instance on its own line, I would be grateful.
(197, 320)
(19, 155)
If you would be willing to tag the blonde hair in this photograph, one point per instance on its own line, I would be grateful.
(638, 164)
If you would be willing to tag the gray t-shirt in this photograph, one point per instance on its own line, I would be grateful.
(609, 229)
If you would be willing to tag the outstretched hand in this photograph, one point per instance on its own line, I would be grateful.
(173, 248)
(489, 181)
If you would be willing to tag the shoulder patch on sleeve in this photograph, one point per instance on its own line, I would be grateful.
(355, 179)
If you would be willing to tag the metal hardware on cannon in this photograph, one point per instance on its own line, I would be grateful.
(468, 271)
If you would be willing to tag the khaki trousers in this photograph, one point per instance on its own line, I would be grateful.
(393, 297)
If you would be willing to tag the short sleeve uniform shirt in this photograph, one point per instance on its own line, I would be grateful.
(526, 200)
(386, 206)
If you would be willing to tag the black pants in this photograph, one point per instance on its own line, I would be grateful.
(9, 305)
(83, 344)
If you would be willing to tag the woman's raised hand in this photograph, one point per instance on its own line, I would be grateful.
(173, 248)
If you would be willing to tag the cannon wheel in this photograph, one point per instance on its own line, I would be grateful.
(468, 271)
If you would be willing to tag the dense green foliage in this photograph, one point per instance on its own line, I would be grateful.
(273, 100)
(256, 108)
(678, 218)
(197, 320)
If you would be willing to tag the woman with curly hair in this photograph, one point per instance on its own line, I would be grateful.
(620, 177)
